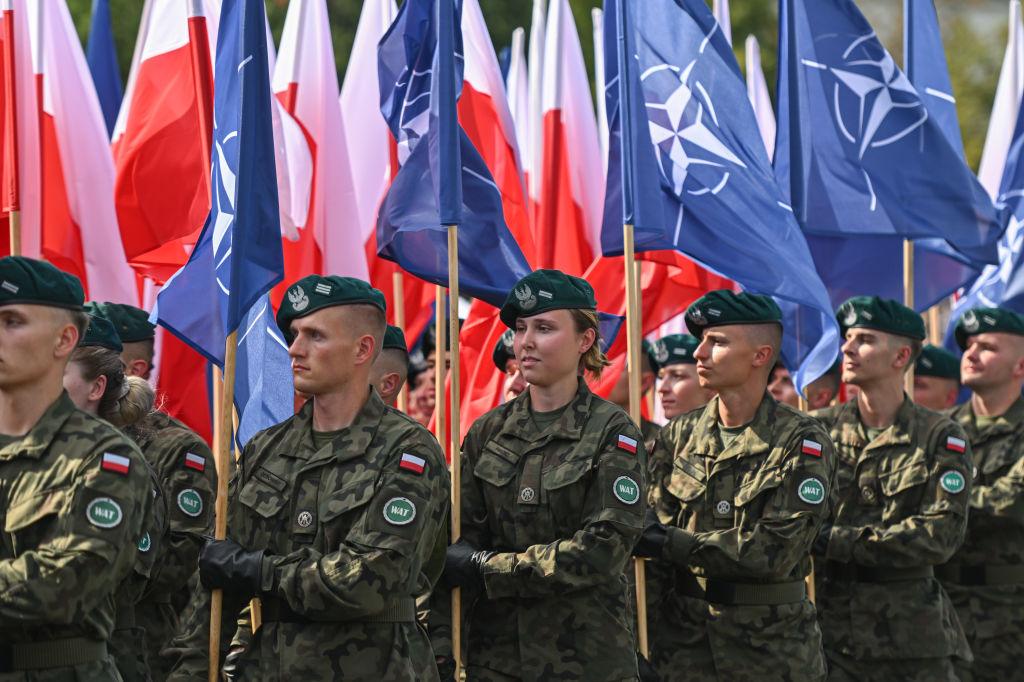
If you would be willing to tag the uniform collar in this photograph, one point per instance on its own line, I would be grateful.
(855, 434)
(1005, 423)
(39, 437)
(351, 442)
(755, 439)
(520, 424)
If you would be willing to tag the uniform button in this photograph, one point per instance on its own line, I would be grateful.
(527, 494)
(723, 507)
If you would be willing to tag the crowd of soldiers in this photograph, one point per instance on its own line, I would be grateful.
(860, 534)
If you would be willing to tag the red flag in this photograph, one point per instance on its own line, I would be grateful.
(162, 138)
(182, 384)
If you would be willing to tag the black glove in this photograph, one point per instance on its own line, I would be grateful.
(462, 564)
(646, 670)
(820, 546)
(652, 539)
(445, 668)
(226, 565)
(229, 671)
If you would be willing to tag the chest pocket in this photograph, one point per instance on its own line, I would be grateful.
(902, 482)
(687, 484)
(342, 509)
(496, 465)
(30, 521)
(565, 488)
(754, 491)
(265, 495)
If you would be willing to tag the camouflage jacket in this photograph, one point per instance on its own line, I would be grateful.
(74, 498)
(188, 478)
(562, 508)
(995, 525)
(347, 529)
(900, 502)
(745, 513)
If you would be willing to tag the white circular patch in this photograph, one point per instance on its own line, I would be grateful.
(811, 491)
(103, 512)
(953, 482)
(723, 507)
(626, 490)
(145, 543)
(305, 519)
(190, 502)
(399, 511)
(527, 494)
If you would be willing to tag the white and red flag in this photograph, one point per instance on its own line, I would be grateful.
(79, 223)
(572, 178)
(162, 137)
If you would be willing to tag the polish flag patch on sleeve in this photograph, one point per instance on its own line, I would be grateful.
(413, 463)
(116, 463)
(810, 447)
(626, 443)
(194, 461)
(956, 444)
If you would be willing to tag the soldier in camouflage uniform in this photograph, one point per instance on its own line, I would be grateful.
(504, 358)
(985, 578)
(187, 477)
(391, 368)
(899, 508)
(74, 493)
(332, 514)
(95, 382)
(738, 491)
(552, 502)
(936, 378)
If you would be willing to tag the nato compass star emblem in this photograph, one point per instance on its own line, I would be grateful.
(873, 102)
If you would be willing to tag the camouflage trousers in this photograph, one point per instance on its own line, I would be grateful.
(845, 669)
(478, 674)
(100, 671)
(993, 620)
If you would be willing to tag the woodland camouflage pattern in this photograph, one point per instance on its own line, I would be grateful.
(58, 570)
(893, 509)
(128, 642)
(166, 442)
(554, 605)
(993, 615)
(333, 556)
(737, 514)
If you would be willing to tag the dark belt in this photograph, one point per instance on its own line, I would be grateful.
(276, 610)
(963, 574)
(58, 653)
(747, 594)
(875, 574)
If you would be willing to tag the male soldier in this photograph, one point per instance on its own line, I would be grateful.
(504, 358)
(184, 466)
(738, 490)
(74, 492)
(936, 378)
(391, 367)
(332, 513)
(819, 392)
(900, 507)
(985, 578)
(679, 388)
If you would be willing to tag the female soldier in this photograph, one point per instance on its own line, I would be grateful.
(552, 504)
(96, 383)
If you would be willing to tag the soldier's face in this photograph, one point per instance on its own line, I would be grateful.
(935, 393)
(869, 355)
(679, 390)
(727, 356)
(326, 351)
(992, 359)
(34, 343)
(782, 388)
(515, 383)
(85, 394)
(548, 347)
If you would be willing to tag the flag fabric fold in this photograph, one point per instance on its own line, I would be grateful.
(101, 54)
(689, 169)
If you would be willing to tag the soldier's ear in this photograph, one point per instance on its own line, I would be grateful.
(366, 349)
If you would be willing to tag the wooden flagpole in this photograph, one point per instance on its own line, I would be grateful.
(455, 435)
(633, 367)
(221, 454)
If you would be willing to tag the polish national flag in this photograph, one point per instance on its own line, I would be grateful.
(485, 116)
(161, 139)
(306, 82)
(518, 87)
(79, 222)
(533, 159)
(572, 182)
(22, 107)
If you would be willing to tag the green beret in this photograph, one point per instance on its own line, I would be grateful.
(544, 290)
(503, 350)
(36, 282)
(722, 307)
(132, 324)
(881, 314)
(674, 349)
(981, 320)
(937, 362)
(317, 292)
(394, 338)
(101, 332)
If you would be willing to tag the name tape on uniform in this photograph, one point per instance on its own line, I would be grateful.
(626, 443)
(116, 463)
(413, 463)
